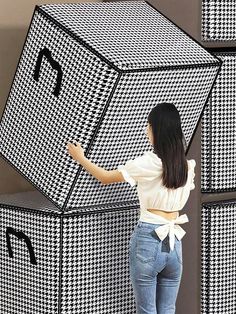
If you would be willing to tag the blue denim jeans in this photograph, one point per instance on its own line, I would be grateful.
(155, 270)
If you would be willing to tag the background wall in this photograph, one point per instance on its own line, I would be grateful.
(15, 18)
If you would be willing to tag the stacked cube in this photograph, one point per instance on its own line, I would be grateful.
(219, 165)
(219, 175)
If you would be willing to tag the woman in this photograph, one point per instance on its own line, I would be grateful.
(164, 179)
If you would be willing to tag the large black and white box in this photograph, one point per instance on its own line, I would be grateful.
(91, 72)
(64, 263)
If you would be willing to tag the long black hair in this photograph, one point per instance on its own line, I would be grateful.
(169, 144)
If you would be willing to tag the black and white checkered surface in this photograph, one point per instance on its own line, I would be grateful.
(64, 263)
(218, 257)
(218, 127)
(218, 20)
(91, 72)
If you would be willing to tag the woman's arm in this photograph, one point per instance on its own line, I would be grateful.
(101, 174)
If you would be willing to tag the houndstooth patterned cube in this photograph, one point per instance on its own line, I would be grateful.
(64, 263)
(91, 72)
(218, 128)
(218, 20)
(218, 257)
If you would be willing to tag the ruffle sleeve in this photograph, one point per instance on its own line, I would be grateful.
(192, 163)
(140, 169)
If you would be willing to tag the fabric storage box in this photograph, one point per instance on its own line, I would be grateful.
(218, 20)
(91, 72)
(218, 257)
(218, 128)
(67, 263)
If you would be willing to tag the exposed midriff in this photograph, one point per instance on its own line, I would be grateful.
(170, 216)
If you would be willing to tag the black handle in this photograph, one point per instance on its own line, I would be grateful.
(54, 64)
(20, 235)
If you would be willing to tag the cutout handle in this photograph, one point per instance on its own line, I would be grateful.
(20, 235)
(54, 64)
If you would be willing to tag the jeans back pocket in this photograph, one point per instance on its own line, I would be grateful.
(146, 247)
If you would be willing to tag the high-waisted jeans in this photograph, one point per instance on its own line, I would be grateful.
(155, 270)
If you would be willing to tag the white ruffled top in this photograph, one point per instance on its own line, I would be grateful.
(146, 171)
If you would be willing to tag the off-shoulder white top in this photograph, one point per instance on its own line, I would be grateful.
(146, 171)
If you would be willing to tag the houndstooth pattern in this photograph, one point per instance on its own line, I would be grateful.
(25, 287)
(130, 34)
(218, 171)
(218, 257)
(181, 87)
(218, 20)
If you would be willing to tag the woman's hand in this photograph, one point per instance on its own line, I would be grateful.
(76, 151)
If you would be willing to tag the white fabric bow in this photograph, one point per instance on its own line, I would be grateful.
(173, 229)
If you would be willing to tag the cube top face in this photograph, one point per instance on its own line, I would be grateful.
(129, 34)
(36, 203)
(218, 20)
(218, 128)
(29, 201)
(62, 91)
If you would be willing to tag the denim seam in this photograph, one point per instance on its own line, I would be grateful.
(178, 257)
